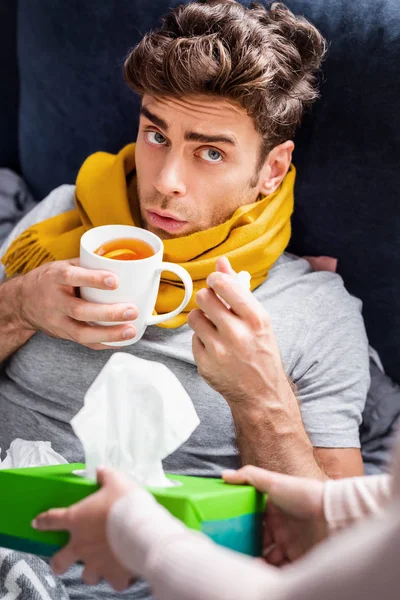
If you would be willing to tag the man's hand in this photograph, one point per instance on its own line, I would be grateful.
(236, 352)
(235, 348)
(86, 523)
(47, 302)
(294, 519)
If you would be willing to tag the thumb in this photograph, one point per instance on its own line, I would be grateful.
(104, 476)
(259, 478)
(224, 266)
(300, 497)
(116, 481)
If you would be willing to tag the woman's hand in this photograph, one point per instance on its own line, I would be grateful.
(294, 519)
(86, 523)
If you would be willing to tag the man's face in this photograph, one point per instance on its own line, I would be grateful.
(196, 163)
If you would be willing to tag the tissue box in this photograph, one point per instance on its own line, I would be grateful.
(230, 515)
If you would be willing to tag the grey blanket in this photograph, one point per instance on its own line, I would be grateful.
(26, 577)
(381, 420)
(15, 201)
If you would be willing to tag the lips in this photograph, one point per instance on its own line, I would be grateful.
(165, 215)
(165, 221)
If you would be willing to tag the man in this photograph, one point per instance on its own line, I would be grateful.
(223, 89)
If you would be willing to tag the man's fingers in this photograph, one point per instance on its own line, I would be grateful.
(69, 274)
(202, 327)
(88, 335)
(259, 478)
(101, 347)
(198, 348)
(63, 560)
(56, 519)
(216, 311)
(80, 310)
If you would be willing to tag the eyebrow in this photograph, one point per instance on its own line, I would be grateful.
(190, 136)
(153, 118)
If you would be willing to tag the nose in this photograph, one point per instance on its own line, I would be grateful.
(170, 179)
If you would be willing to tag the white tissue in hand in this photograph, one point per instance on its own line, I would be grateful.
(135, 414)
(25, 453)
(243, 280)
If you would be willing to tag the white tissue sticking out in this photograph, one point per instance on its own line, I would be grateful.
(243, 279)
(25, 453)
(135, 414)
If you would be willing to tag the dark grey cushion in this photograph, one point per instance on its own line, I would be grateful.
(9, 85)
(381, 421)
(15, 201)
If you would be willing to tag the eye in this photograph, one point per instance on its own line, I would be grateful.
(155, 137)
(211, 155)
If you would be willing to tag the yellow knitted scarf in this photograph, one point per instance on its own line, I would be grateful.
(253, 238)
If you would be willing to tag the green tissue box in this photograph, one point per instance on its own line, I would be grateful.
(231, 515)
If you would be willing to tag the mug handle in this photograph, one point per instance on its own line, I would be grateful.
(187, 282)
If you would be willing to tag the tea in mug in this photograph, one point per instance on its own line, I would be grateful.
(125, 249)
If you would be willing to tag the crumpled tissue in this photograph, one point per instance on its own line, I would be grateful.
(135, 414)
(26, 453)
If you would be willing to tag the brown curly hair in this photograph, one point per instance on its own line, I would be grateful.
(264, 59)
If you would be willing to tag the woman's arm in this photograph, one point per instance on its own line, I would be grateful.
(121, 532)
(349, 500)
(183, 565)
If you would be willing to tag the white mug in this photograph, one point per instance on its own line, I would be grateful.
(139, 280)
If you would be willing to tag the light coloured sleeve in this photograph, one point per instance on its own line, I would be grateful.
(179, 564)
(349, 500)
(58, 201)
(184, 565)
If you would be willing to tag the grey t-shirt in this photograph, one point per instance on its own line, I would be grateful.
(322, 341)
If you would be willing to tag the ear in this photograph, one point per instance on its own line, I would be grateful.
(275, 167)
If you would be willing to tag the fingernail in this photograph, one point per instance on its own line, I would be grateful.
(34, 524)
(110, 282)
(210, 280)
(228, 471)
(129, 332)
(129, 314)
